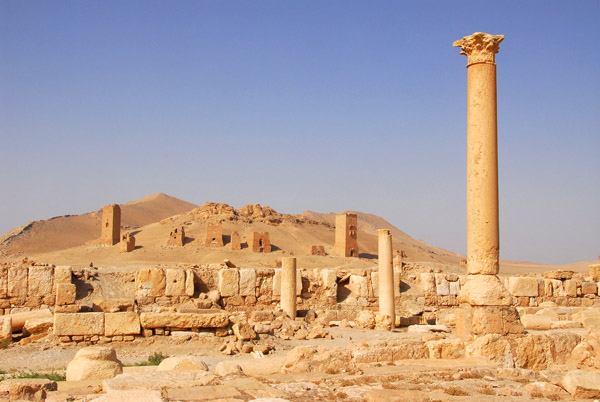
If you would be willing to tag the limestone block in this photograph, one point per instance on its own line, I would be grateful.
(484, 290)
(132, 395)
(40, 281)
(243, 331)
(358, 286)
(441, 284)
(375, 283)
(277, 282)
(94, 363)
(5, 329)
(79, 324)
(493, 346)
(35, 326)
(549, 312)
(184, 320)
(189, 283)
(570, 286)
(63, 274)
(428, 282)
(151, 281)
(365, 319)
(27, 389)
(548, 290)
(182, 363)
(228, 368)
(523, 286)
(454, 287)
(536, 322)
(588, 318)
(174, 282)
(582, 384)
(298, 282)
(122, 323)
(558, 289)
(565, 324)
(329, 282)
(17, 282)
(3, 282)
(65, 294)
(446, 349)
(502, 320)
(595, 272)
(229, 282)
(589, 288)
(19, 319)
(397, 280)
(247, 282)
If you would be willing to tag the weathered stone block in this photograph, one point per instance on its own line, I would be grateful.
(523, 286)
(536, 322)
(570, 286)
(151, 282)
(589, 288)
(189, 283)
(247, 282)
(454, 288)
(65, 294)
(40, 281)
(229, 282)
(582, 384)
(559, 274)
(79, 324)
(175, 282)
(358, 286)
(483, 320)
(441, 284)
(484, 290)
(277, 283)
(329, 282)
(63, 274)
(17, 282)
(184, 320)
(125, 323)
(595, 272)
(3, 282)
(298, 282)
(428, 282)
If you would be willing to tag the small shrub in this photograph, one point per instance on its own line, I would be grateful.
(52, 376)
(153, 360)
(4, 344)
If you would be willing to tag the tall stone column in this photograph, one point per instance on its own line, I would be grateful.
(386, 274)
(288, 286)
(487, 304)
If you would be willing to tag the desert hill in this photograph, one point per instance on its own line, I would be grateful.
(72, 239)
(68, 231)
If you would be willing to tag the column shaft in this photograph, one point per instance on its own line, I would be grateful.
(483, 241)
(288, 286)
(386, 274)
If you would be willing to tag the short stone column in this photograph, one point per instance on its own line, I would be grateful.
(386, 274)
(486, 303)
(288, 286)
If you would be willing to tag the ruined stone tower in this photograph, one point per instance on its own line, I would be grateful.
(346, 240)
(111, 225)
(260, 242)
(214, 235)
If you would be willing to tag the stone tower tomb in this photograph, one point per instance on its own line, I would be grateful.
(346, 240)
(111, 225)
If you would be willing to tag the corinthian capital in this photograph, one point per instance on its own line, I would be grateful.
(479, 47)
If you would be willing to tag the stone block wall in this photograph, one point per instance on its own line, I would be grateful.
(26, 287)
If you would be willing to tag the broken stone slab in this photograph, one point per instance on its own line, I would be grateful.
(424, 329)
(133, 395)
(228, 368)
(29, 389)
(183, 320)
(34, 326)
(5, 329)
(582, 384)
(559, 274)
(157, 380)
(18, 319)
(565, 324)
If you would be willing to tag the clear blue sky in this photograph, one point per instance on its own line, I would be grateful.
(320, 105)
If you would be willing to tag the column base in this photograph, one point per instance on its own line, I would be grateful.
(482, 320)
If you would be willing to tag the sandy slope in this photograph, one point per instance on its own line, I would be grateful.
(75, 230)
